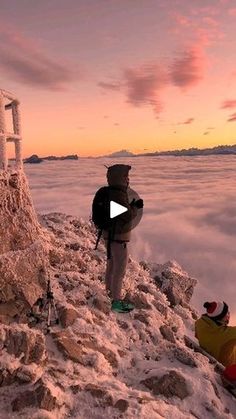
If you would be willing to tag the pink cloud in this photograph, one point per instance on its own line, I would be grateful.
(182, 20)
(142, 85)
(229, 104)
(232, 12)
(188, 69)
(210, 21)
(109, 86)
(232, 118)
(23, 61)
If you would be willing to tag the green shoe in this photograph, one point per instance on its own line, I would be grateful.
(128, 305)
(119, 306)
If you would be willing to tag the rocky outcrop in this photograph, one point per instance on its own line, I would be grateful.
(33, 159)
(23, 252)
(23, 342)
(18, 222)
(173, 281)
(40, 397)
(170, 384)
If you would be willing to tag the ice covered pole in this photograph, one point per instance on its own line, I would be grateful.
(17, 131)
(6, 136)
(3, 152)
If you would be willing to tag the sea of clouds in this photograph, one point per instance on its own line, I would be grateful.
(189, 214)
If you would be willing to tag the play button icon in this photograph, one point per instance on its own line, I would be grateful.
(116, 209)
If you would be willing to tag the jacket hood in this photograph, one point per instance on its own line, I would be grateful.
(116, 174)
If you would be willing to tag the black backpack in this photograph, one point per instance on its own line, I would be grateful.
(101, 212)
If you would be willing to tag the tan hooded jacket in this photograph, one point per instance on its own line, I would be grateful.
(118, 193)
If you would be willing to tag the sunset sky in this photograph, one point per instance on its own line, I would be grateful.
(97, 76)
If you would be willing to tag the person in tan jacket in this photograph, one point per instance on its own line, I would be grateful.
(214, 334)
(117, 242)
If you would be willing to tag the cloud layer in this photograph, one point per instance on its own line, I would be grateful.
(189, 216)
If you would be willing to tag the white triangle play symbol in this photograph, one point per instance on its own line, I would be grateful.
(116, 209)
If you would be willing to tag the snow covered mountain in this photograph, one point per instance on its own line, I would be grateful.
(101, 364)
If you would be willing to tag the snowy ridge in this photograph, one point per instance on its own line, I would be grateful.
(101, 364)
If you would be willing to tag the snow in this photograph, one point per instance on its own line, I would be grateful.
(120, 350)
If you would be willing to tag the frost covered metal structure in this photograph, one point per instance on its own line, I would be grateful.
(9, 102)
(23, 244)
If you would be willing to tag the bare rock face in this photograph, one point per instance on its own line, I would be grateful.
(40, 397)
(7, 377)
(69, 347)
(67, 316)
(175, 283)
(185, 357)
(23, 252)
(21, 375)
(167, 333)
(23, 340)
(171, 384)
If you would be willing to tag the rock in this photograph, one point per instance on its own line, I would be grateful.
(18, 221)
(68, 346)
(122, 405)
(67, 316)
(7, 377)
(25, 375)
(76, 388)
(74, 246)
(144, 265)
(167, 333)
(142, 317)
(161, 308)
(100, 393)
(102, 304)
(95, 390)
(23, 277)
(140, 301)
(144, 288)
(175, 283)
(33, 159)
(90, 342)
(27, 342)
(123, 325)
(171, 384)
(41, 398)
(185, 357)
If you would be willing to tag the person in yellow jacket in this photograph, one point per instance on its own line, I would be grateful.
(214, 334)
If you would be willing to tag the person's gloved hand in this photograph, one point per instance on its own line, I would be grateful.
(138, 204)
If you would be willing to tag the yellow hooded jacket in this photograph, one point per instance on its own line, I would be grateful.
(218, 340)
